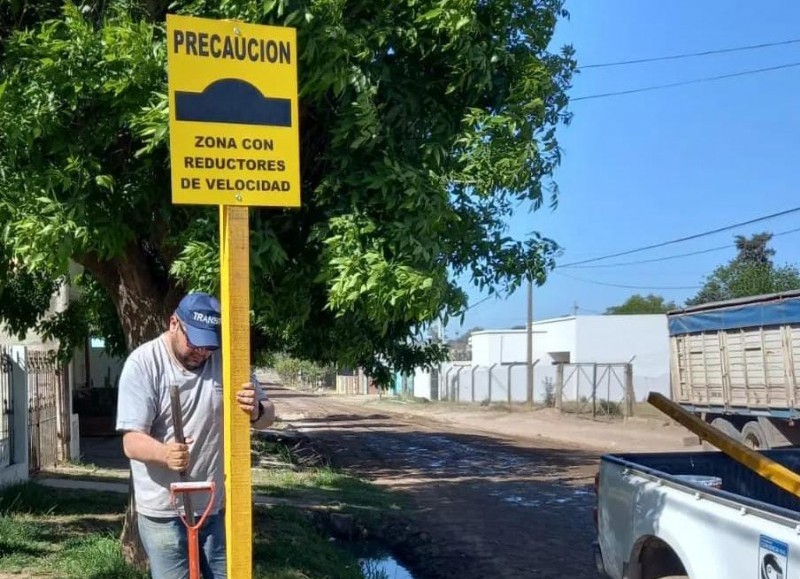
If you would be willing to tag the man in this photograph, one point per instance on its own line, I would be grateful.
(186, 355)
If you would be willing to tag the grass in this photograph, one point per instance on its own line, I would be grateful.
(70, 534)
(57, 533)
(323, 485)
(316, 483)
(282, 550)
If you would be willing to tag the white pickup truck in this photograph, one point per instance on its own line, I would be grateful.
(700, 515)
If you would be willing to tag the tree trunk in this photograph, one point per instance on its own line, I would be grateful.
(132, 548)
(144, 299)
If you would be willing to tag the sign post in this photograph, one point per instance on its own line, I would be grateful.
(234, 142)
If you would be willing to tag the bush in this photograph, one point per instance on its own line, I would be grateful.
(609, 407)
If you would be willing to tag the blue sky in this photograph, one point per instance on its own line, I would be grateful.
(654, 166)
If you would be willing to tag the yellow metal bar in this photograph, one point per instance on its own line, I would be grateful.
(763, 466)
(235, 298)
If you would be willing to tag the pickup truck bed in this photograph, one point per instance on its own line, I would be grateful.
(653, 524)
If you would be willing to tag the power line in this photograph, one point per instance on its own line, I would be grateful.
(476, 304)
(684, 82)
(625, 286)
(669, 257)
(682, 239)
(689, 54)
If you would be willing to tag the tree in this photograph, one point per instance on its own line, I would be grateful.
(459, 346)
(751, 272)
(425, 124)
(638, 304)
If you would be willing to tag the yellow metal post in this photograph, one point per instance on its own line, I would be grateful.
(257, 152)
(235, 301)
(769, 469)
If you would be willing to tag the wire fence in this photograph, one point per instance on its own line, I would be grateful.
(598, 389)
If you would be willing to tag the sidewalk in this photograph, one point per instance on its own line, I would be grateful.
(121, 487)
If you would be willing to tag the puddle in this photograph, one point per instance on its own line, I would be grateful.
(544, 498)
(383, 568)
(377, 563)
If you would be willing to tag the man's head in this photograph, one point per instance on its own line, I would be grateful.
(195, 329)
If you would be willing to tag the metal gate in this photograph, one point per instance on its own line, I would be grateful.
(596, 388)
(44, 384)
(6, 410)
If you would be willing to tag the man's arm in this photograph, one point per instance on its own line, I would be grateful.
(144, 448)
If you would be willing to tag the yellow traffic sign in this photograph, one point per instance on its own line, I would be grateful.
(234, 134)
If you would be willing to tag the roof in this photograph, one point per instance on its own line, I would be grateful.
(737, 302)
(755, 311)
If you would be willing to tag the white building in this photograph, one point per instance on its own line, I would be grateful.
(497, 368)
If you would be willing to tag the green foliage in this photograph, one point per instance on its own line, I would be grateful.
(638, 304)
(609, 407)
(459, 348)
(24, 296)
(295, 372)
(425, 125)
(752, 272)
(46, 532)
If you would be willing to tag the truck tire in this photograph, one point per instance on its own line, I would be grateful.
(726, 427)
(754, 436)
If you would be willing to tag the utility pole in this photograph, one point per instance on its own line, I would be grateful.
(439, 328)
(530, 344)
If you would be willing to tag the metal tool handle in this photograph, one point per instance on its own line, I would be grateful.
(192, 528)
(177, 428)
(765, 467)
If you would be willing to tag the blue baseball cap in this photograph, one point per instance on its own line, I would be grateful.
(201, 315)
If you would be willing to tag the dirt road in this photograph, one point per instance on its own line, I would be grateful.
(486, 505)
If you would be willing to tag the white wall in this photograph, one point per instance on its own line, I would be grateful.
(18, 471)
(422, 383)
(104, 369)
(556, 335)
(601, 339)
(510, 346)
(618, 339)
(504, 346)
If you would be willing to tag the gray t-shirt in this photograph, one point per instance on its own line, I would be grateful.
(144, 406)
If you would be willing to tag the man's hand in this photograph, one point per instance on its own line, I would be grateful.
(176, 455)
(246, 398)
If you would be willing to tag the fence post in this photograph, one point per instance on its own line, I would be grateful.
(594, 390)
(559, 385)
(472, 378)
(458, 384)
(630, 398)
(447, 384)
(491, 375)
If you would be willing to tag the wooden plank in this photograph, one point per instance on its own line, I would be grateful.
(788, 364)
(235, 294)
(724, 368)
(776, 473)
(704, 361)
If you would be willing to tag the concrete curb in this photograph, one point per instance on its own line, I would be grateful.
(90, 485)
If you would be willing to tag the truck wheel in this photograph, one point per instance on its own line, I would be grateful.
(726, 427)
(754, 436)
